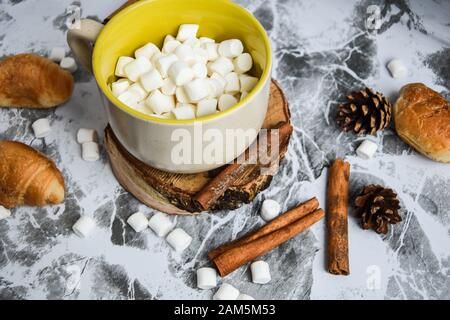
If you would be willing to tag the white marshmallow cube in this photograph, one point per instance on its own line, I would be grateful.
(159, 102)
(155, 57)
(86, 135)
(179, 239)
(168, 38)
(141, 106)
(197, 90)
(243, 95)
(233, 85)
(128, 98)
(199, 69)
(206, 107)
(212, 51)
(164, 62)
(366, 149)
(397, 68)
(121, 63)
(226, 292)
(84, 226)
(221, 79)
(185, 53)
(120, 86)
(243, 296)
(260, 272)
(270, 209)
(222, 66)
(187, 31)
(41, 127)
(226, 101)
(216, 87)
(168, 88)
(181, 95)
(151, 80)
(136, 68)
(180, 73)
(170, 46)
(57, 54)
(4, 213)
(138, 221)
(90, 151)
(69, 64)
(247, 82)
(231, 48)
(138, 91)
(160, 224)
(146, 51)
(184, 112)
(243, 63)
(204, 40)
(206, 278)
(193, 43)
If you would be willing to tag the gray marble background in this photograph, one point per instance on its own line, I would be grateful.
(322, 51)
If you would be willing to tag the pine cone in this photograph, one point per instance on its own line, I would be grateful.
(377, 206)
(365, 112)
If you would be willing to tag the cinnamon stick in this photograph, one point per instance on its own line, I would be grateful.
(279, 222)
(232, 259)
(337, 217)
(215, 188)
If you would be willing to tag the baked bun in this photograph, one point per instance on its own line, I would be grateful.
(422, 119)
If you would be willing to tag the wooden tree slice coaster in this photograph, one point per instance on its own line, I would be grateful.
(173, 193)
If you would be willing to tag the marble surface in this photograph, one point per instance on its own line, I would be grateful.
(322, 51)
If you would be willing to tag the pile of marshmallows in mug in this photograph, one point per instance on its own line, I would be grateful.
(189, 77)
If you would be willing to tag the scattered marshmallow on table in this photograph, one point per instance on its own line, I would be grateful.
(397, 68)
(159, 102)
(120, 86)
(180, 73)
(184, 112)
(243, 63)
(206, 107)
(243, 296)
(90, 151)
(231, 48)
(179, 239)
(4, 213)
(260, 272)
(138, 221)
(86, 135)
(226, 292)
(121, 63)
(68, 64)
(83, 226)
(270, 209)
(146, 51)
(41, 128)
(134, 69)
(206, 278)
(151, 80)
(187, 31)
(226, 101)
(366, 149)
(161, 224)
(57, 54)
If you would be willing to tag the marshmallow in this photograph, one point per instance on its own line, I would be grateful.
(247, 82)
(167, 115)
(226, 292)
(41, 127)
(270, 209)
(138, 221)
(160, 224)
(199, 69)
(179, 239)
(146, 51)
(197, 90)
(187, 31)
(206, 278)
(86, 135)
(151, 80)
(160, 103)
(231, 48)
(243, 63)
(260, 272)
(200, 59)
(57, 54)
(138, 91)
(180, 104)
(180, 73)
(90, 151)
(233, 85)
(4, 213)
(120, 86)
(164, 62)
(141, 106)
(69, 64)
(212, 51)
(136, 68)
(201, 53)
(218, 77)
(83, 226)
(121, 63)
(170, 46)
(192, 42)
(366, 149)
(181, 96)
(216, 87)
(397, 68)
(185, 53)
(226, 101)
(206, 107)
(184, 112)
(243, 95)
(168, 38)
(243, 296)
(155, 57)
(168, 88)
(222, 66)
(128, 98)
(205, 40)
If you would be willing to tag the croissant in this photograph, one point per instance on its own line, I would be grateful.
(27, 177)
(29, 80)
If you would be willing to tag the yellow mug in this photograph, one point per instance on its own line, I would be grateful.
(155, 141)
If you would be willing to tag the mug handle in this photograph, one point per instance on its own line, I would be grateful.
(81, 39)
